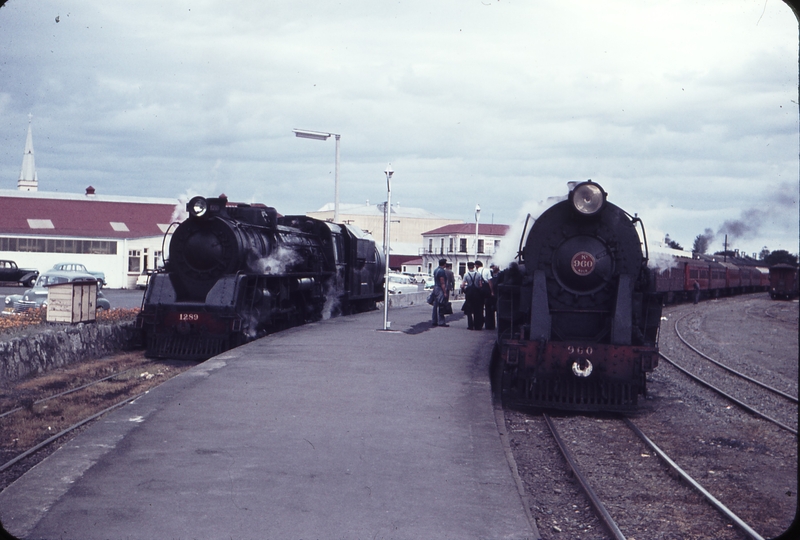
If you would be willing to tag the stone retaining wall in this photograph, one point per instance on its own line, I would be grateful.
(41, 351)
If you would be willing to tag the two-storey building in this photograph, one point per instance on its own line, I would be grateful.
(459, 243)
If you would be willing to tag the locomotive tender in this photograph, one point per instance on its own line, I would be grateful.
(239, 271)
(578, 318)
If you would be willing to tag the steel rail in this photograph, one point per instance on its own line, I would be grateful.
(738, 402)
(696, 485)
(603, 514)
(65, 392)
(63, 432)
(723, 366)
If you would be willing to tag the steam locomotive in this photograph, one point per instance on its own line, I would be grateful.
(239, 271)
(578, 316)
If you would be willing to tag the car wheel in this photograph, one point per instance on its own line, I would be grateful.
(30, 282)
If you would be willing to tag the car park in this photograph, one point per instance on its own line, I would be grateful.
(36, 296)
(78, 267)
(10, 272)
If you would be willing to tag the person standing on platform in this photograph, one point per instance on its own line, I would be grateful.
(487, 295)
(473, 301)
(490, 301)
(440, 294)
(451, 280)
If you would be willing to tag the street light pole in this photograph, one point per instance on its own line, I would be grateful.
(477, 217)
(388, 213)
(323, 136)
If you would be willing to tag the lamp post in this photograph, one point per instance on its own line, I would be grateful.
(388, 213)
(477, 218)
(322, 136)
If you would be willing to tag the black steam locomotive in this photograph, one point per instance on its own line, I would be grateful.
(239, 271)
(578, 317)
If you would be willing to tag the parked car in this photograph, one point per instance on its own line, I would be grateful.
(401, 283)
(37, 295)
(9, 271)
(78, 267)
(141, 281)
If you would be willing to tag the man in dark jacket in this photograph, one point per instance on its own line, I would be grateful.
(440, 294)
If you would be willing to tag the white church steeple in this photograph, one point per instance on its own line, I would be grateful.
(28, 181)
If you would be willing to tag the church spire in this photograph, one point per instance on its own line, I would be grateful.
(28, 180)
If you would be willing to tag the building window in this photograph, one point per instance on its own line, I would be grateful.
(496, 245)
(462, 269)
(462, 245)
(480, 246)
(50, 245)
(441, 246)
(134, 261)
(430, 245)
(451, 245)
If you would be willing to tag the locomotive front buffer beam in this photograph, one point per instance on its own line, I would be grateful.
(575, 376)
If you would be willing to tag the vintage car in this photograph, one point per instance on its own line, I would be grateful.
(401, 283)
(143, 278)
(78, 267)
(37, 295)
(10, 272)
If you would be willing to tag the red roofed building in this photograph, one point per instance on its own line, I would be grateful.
(121, 236)
(457, 243)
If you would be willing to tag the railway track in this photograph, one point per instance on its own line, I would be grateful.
(628, 493)
(755, 396)
(39, 414)
(748, 464)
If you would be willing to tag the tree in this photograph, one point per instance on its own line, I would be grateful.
(780, 256)
(764, 253)
(700, 244)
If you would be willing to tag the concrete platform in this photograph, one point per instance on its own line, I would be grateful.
(336, 429)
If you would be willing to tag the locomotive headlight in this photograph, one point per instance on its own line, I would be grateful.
(197, 206)
(588, 198)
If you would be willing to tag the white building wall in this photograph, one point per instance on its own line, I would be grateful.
(115, 267)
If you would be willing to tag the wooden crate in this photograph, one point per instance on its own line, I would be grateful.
(72, 302)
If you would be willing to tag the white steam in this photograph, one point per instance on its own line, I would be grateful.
(509, 246)
(278, 262)
(333, 293)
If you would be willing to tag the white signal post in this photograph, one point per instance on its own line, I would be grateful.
(388, 218)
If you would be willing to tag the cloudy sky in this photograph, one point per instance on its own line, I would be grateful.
(684, 111)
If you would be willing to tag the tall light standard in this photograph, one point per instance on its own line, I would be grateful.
(388, 213)
(322, 136)
(477, 217)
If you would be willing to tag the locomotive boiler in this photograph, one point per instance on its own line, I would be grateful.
(578, 318)
(239, 271)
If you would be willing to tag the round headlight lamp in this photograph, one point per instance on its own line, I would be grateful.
(588, 198)
(197, 206)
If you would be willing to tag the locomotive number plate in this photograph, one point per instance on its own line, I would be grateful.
(188, 317)
(583, 263)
